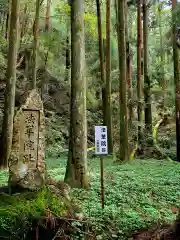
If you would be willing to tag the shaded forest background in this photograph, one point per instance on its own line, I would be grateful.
(53, 75)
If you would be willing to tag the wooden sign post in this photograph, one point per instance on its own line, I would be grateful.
(101, 149)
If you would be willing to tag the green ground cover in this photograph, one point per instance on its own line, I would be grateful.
(137, 195)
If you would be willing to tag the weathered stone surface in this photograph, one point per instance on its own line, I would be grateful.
(26, 162)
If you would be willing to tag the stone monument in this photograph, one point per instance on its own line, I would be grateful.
(26, 162)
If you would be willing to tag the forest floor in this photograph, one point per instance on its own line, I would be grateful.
(138, 195)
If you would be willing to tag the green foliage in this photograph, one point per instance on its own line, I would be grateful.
(3, 177)
(128, 206)
(128, 188)
(17, 212)
(128, 203)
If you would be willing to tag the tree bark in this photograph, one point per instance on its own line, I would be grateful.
(129, 71)
(101, 55)
(176, 77)
(68, 55)
(108, 77)
(8, 16)
(139, 73)
(76, 171)
(47, 18)
(163, 80)
(7, 130)
(24, 23)
(35, 43)
(147, 83)
(124, 151)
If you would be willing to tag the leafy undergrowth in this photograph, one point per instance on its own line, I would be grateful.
(138, 195)
(19, 212)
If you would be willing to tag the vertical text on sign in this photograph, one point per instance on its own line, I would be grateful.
(30, 137)
(101, 146)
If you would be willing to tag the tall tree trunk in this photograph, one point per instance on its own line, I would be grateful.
(76, 171)
(147, 84)
(176, 77)
(2, 22)
(68, 52)
(7, 20)
(108, 77)
(47, 18)
(129, 70)
(139, 73)
(101, 55)
(7, 130)
(68, 55)
(35, 44)
(8, 16)
(24, 23)
(116, 13)
(124, 151)
(163, 80)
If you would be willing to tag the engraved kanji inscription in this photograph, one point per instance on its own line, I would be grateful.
(28, 158)
(30, 136)
(29, 145)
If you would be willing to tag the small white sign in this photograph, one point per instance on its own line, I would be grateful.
(101, 145)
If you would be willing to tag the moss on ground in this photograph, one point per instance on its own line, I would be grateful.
(17, 212)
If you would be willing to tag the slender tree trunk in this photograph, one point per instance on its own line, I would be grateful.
(116, 13)
(68, 55)
(108, 77)
(76, 171)
(24, 23)
(47, 18)
(147, 84)
(7, 130)
(35, 44)
(8, 19)
(117, 26)
(163, 80)
(6, 32)
(68, 52)
(124, 152)
(2, 23)
(101, 55)
(139, 72)
(129, 71)
(176, 77)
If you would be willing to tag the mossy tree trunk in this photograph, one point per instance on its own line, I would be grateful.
(108, 78)
(7, 130)
(76, 171)
(147, 83)
(176, 77)
(35, 43)
(124, 151)
(139, 73)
